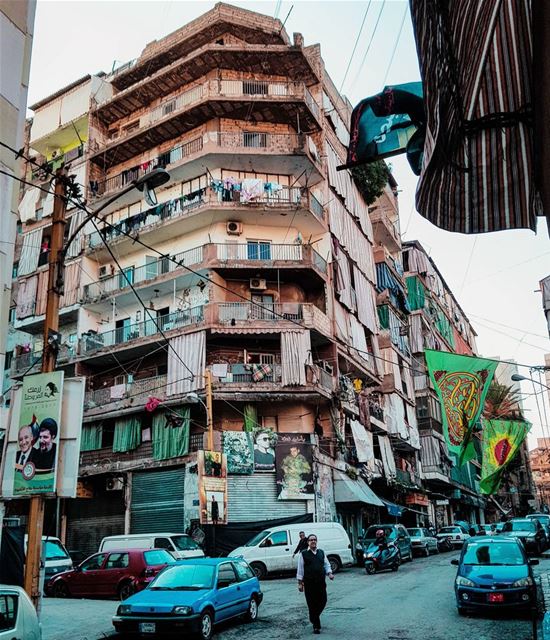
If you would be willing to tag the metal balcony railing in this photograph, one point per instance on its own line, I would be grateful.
(137, 390)
(92, 342)
(244, 374)
(230, 312)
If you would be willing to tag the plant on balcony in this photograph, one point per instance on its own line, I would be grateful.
(371, 179)
(502, 402)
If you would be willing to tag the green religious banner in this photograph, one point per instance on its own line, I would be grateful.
(501, 440)
(461, 383)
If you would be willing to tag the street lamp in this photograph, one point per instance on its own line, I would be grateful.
(516, 377)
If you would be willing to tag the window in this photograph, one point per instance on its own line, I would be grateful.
(94, 563)
(244, 572)
(118, 561)
(277, 539)
(226, 575)
(8, 360)
(255, 87)
(163, 543)
(258, 250)
(8, 611)
(126, 277)
(151, 267)
(15, 269)
(169, 107)
(154, 558)
(256, 140)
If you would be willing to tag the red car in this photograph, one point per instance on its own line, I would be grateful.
(119, 572)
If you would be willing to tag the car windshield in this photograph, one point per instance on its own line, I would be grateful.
(184, 577)
(449, 530)
(520, 525)
(371, 531)
(158, 556)
(484, 553)
(415, 532)
(55, 551)
(184, 543)
(257, 538)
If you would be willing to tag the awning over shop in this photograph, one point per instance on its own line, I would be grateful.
(393, 509)
(348, 490)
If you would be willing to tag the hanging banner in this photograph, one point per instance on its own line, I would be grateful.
(264, 449)
(212, 472)
(501, 441)
(461, 383)
(237, 446)
(35, 428)
(294, 467)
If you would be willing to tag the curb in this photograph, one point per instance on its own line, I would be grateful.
(543, 621)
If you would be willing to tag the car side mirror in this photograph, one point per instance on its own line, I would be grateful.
(455, 562)
(533, 561)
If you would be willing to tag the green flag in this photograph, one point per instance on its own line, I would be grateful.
(501, 440)
(461, 383)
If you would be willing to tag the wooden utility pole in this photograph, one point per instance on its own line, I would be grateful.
(209, 417)
(51, 324)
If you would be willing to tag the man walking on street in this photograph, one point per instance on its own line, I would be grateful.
(302, 544)
(312, 569)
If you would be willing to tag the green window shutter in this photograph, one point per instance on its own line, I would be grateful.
(91, 437)
(384, 316)
(416, 293)
(170, 441)
(127, 434)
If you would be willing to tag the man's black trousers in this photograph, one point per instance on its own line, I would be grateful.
(316, 598)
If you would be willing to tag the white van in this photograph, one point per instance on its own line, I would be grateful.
(272, 549)
(180, 545)
(56, 557)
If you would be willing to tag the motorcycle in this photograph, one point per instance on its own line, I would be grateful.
(445, 544)
(379, 558)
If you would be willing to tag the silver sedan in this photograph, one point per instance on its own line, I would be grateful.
(422, 541)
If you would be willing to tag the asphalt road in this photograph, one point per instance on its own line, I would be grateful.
(416, 603)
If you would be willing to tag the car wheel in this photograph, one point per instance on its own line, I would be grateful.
(259, 569)
(410, 555)
(60, 590)
(125, 590)
(334, 564)
(252, 612)
(426, 551)
(205, 626)
(399, 558)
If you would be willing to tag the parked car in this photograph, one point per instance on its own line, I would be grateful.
(271, 550)
(422, 541)
(494, 572)
(120, 573)
(395, 533)
(18, 617)
(489, 529)
(180, 545)
(193, 597)
(57, 558)
(456, 533)
(529, 531)
(544, 519)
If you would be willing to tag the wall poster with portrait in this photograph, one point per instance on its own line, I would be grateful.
(265, 441)
(212, 472)
(237, 446)
(294, 467)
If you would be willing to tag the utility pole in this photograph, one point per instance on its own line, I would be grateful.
(51, 325)
(209, 417)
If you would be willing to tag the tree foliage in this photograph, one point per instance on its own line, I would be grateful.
(502, 402)
(371, 179)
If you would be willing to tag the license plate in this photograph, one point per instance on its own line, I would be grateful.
(147, 627)
(496, 597)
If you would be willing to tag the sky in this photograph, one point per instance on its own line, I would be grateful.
(495, 276)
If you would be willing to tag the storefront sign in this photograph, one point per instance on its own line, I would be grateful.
(294, 467)
(212, 471)
(441, 503)
(417, 498)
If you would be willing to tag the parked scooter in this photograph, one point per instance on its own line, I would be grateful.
(445, 544)
(378, 558)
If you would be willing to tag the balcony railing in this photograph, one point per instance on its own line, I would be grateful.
(31, 360)
(245, 374)
(230, 312)
(92, 342)
(137, 390)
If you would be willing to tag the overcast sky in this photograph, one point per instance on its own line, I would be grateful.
(494, 276)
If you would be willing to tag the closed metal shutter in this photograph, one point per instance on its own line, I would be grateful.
(91, 520)
(157, 501)
(252, 498)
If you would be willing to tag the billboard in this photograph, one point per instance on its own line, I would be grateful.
(212, 472)
(294, 466)
(42, 452)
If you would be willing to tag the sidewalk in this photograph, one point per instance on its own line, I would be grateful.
(543, 623)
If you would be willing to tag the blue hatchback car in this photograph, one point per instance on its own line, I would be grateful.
(191, 596)
(494, 573)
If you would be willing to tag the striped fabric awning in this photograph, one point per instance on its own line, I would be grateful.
(476, 66)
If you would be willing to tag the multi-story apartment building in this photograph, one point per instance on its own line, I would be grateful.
(257, 265)
(540, 464)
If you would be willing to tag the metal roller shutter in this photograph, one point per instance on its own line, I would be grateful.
(254, 497)
(157, 501)
(91, 520)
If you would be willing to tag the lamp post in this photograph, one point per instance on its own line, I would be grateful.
(56, 259)
(516, 377)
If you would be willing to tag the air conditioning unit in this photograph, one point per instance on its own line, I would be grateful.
(260, 284)
(104, 272)
(234, 228)
(114, 484)
(57, 153)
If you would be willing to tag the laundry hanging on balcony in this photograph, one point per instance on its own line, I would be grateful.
(27, 206)
(186, 363)
(26, 298)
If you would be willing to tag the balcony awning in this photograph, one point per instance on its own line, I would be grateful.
(246, 330)
(348, 490)
(395, 510)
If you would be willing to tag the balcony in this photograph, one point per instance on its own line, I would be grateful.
(128, 394)
(394, 330)
(282, 102)
(386, 232)
(30, 362)
(93, 342)
(239, 375)
(50, 167)
(163, 222)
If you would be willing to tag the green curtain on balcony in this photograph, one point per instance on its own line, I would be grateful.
(416, 293)
(91, 437)
(384, 316)
(127, 434)
(250, 417)
(171, 433)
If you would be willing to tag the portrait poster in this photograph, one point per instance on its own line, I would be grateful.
(294, 462)
(265, 441)
(37, 434)
(212, 472)
(237, 446)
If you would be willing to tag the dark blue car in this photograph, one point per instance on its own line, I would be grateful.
(191, 597)
(494, 573)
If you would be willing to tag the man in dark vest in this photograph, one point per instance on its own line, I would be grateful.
(313, 566)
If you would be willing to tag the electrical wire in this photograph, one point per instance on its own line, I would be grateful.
(396, 45)
(370, 43)
(355, 46)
